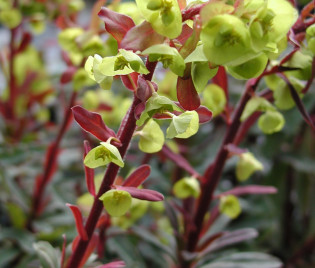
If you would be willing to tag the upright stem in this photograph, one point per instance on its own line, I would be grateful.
(213, 173)
(52, 154)
(126, 131)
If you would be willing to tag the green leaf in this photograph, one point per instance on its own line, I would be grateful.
(169, 56)
(256, 104)
(246, 166)
(156, 104)
(10, 17)
(249, 69)
(151, 137)
(310, 37)
(201, 74)
(197, 55)
(49, 257)
(134, 61)
(184, 125)
(164, 16)
(81, 79)
(271, 122)
(67, 39)
(103, 155)
(17, 215)
(230, 206)
(214, 98)
(116, 202)
(186, 187)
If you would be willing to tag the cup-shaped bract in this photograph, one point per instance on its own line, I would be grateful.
(249, 69)
(103, 155)
(151, 137)
(186, 187)
(230, 206)
(11, 17)
(226, 40)
(256, 104)
(214, 98)
(271, 122)
(164, 16)
(310, 38)
(116, 202)
(246, 166)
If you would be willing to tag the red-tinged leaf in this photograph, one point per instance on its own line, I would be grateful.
(292, 38)
(90, 248)
(185, 34)
(89, 172)
(104, 107)
(182, 4)
(187, 94)
(221, 80)
(78, 221)
(137, 177)
(141, 37)
(92, 123)
(103, 221)
(144, 89)
(26, 40)
(139, 109)
(115, 23)
(63, 22)
(165, 116)
(205, 115)
(142, 194)
(67, 75)
(114, 264)
(299, 103)
(249, 189)
(180, 161)
(234, 150)
(130, 84)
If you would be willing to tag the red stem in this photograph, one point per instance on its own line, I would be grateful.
(125, 134)
(213, 173)
(39, 192)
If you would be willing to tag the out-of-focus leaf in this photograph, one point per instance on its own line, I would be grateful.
(142, 194)
(187, 94)
(49, 257)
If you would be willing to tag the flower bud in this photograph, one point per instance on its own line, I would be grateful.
(230, 206)
(186, 187)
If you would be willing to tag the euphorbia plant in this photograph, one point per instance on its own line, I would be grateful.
(178, 62)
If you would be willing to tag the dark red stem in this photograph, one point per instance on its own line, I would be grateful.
(125, 134)
(213, 173)
(39, 189)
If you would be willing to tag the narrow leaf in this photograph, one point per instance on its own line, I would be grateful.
(115, 23)
(114, 264)
(142, 194)
(78, 221)
(187, 94)
(89, 172)
(141, 37)
(92, 123)
(250, 189)
(137, 177)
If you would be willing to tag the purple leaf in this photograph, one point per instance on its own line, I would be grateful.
(205, 115)
(92, 123)
(130, 81)
(89, 172)
(137, 177)
(115, 23)
(221, 80)
(78, 221)
(141, 37)
(67, 75)
(250, 189)
(187, 94)
(143, 194)
(179, 161)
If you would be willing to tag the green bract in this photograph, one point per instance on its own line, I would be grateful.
(230, 206)
(67, 39)
(246, 166)
(103, 155)
(226, 40)
(81, 79)
(151, 137)
(183, 126)
(10, 17)
(301, 61)
(271, 122)
(169, 56)
(116, 202)
(164, 16)
(256, 104)
(249, 69)
(201, 74)
(92, 68)
(310, 37)
(186, 187)
(156, 104)
(214, 98)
